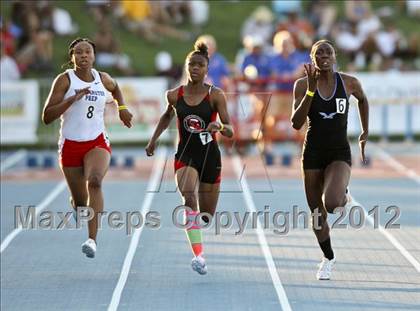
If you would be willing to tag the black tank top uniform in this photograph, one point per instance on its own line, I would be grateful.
(326, 138)
(197, 148)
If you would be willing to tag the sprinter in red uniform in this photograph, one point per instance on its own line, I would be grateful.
(197, 161)
(78, 97)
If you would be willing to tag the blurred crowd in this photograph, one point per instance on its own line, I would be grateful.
(368, 39)
(27, 35)
(275, 39)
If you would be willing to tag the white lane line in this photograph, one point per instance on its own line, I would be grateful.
(281, 294)
(50, 197)
(390, 237)
(158, 167)
(12, 159)
(395, 164)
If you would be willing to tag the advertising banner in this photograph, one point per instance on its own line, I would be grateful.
(19, 112)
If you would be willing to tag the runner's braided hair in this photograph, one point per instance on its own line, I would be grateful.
(71, 50)
(200, 48)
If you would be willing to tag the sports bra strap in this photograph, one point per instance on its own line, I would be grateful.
(180, 92)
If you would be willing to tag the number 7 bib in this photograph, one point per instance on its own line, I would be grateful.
(205, 137)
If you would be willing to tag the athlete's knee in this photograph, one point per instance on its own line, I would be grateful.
(332, 202)
(94, 181)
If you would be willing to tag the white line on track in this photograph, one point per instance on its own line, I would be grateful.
(12, 160)
(392, 162)
(390, 237)
(48, 199)
(156, 174)
(281, 294)
(398, 166)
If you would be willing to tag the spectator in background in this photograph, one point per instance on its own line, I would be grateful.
(99, 9)
(286, 66)
(413, 8)
(254, 73)
(63, 23)
(260, 24)
(284, 7)
(256, 63)
(6, 38)
(201, 14)
(322, 15)
(356, 10)
(165, 68)
(300, 29)
(34, 41)
(140, 17)
(170, 12)
(350, 43)
(360, 13)
(218, 73)
(287, 62)
(8, 67)
(387, 42)
(19, 16)
(44, 11)
(356, 38)
(108, 52)
(180, 12)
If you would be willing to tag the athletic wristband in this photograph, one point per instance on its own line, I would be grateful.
(222, 126)
(122, 107)
(309, 93)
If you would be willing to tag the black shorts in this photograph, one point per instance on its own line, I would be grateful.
(320, 159)
(209, 167)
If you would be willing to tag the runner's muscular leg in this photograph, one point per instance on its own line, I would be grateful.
(96, 163)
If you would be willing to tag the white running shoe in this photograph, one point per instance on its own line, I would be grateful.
(198, 264)
(325, 269)
(89, 248)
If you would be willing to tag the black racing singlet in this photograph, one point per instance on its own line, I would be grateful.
(327, 124)
(191, 121)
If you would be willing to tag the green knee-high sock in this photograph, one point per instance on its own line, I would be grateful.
(194, 233)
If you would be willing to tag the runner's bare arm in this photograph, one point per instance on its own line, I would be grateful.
(362, 104)
(221, 106)
(167, 116)
(112, 86)
(301, 104)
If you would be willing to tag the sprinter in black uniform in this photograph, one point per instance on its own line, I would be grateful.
(197, 161)
(322, 98)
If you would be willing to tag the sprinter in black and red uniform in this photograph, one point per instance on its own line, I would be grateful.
(197, 161)
(322, 97)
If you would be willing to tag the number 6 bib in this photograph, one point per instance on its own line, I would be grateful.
(341, 105)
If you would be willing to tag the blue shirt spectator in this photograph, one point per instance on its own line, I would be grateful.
(260, 60)
(287, 63)
(218, 69)
(286, 67)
